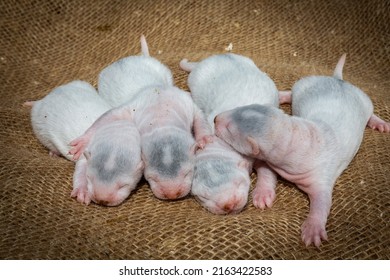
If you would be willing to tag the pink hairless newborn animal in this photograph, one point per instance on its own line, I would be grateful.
(313, 147)
(221, 178)
(164, 116)
(111, 168)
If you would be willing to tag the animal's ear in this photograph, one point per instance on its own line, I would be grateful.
(87, 154)
(240, 182)
(254, 146)
(194, 148)
(244, 164)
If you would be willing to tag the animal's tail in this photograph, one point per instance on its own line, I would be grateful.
(144, 46)
(338, 71)
(187, 66)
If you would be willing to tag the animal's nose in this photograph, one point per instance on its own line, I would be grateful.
(228, 207)
(172, 194)
(231, 206)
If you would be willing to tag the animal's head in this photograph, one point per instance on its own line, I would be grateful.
(249, 129)
(114, 166)
(169, 163)
(221, 184)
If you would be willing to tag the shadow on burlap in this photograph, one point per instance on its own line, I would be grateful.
(47, 43)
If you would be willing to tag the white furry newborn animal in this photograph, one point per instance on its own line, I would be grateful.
(112, 167)
(221, 180)
(122, 80)
(64, 114)
(312, 148)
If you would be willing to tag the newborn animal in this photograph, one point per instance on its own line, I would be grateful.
(123, 79)
(111, 167)
(312, 148)
(221, 178)
(64, 114)
(164, 116)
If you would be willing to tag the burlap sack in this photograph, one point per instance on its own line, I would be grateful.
(47, 43)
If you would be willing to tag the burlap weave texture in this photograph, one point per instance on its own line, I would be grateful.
(44, 44)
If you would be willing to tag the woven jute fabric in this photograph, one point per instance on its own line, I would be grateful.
(44, 44)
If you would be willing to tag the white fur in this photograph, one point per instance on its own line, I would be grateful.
(123, 79)
(223, 82)
(66, 113)
(337, 106)
(217, 84)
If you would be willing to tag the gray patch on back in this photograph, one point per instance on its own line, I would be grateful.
(310, 92)
(213, 172)
(318, 86)
(167, 154)
(326, 84)
(251, 118)
(100, 158)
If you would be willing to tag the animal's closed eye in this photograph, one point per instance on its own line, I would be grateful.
(122, 186)
(201, 198)
(228, 127)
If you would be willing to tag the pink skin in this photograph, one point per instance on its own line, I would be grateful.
(377, 123)
(287, 161)
(222, 188)
(167, 110)
(79, 144)
(164, 191)
(80, 190)
(264, 192)
(312, 148)
(163, 183)
(227, 203)
(220, 89)
(305, 155)
(202, 131)
(285, 97)
(98, 177)
(111, 167)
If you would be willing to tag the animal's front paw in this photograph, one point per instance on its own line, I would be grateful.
(81, 195)
(313, 232)
(263, 197)
(78, 147)
(202, 142)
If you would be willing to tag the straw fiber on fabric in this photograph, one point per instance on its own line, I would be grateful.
(44, 44)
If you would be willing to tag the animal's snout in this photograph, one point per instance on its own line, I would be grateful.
(228, 207)
(173, 195)
(169, 191)
(103, 202)
(233, 205)
(106, 199)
